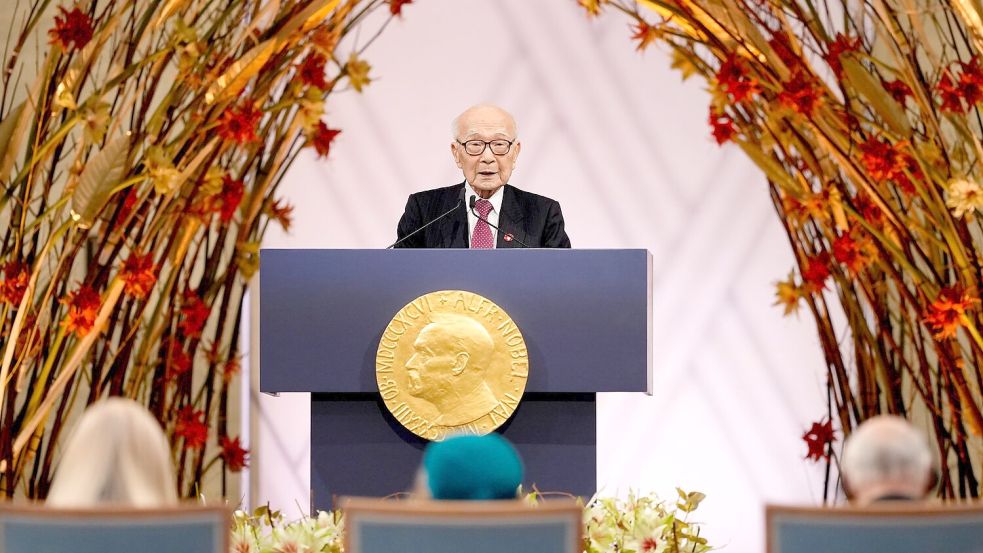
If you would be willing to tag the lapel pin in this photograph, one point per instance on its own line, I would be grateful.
(507, 238)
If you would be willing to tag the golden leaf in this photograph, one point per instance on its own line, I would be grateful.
(230, 83)
(836, 204)
(9, 142)
(682, 62)
(773, 170)
(310, 17)
(102, 173)
(867, 86)
(358, 72)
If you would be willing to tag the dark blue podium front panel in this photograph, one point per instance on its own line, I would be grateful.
(358, 448)
(584, 314)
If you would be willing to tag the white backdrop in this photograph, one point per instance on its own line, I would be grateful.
(624, 145)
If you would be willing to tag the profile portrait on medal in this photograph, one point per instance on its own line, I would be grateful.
(448, 368)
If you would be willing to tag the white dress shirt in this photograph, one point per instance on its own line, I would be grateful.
(496, 201)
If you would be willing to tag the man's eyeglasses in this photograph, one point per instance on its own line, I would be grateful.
(476, 147)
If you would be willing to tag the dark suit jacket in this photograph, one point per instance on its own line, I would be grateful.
(535, 220)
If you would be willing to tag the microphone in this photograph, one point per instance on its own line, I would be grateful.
(507, 236)
(460, 200)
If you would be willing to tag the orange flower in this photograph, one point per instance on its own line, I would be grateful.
(855, 254)
(71, 27)
(645, 34)
(949, 92)
(885, 162)
(593, 7)
(234, 455)
(191, 427)
(722, 126)
(788, 294)
(800, 93)
(14, 282)
(322, 139)
(139, 274)
(733, 79)
(230, 368)
(238, 124)
(311, 71)
(194, 314)
(944, 315)
(283, 213)
(396, 6)
(83, 308)
(867, 210)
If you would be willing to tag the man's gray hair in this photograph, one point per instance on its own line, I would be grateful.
(886, 448)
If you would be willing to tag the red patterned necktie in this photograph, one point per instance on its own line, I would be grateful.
(481, 238)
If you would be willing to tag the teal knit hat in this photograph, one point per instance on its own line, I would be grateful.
(472, 467)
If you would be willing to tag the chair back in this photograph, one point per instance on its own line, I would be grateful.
(185, 529)
(418, 526)
(896, 527)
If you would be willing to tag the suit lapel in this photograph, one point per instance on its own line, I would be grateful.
(454, 227)
(510, 220)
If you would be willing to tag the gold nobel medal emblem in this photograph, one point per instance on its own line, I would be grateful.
(451, 362)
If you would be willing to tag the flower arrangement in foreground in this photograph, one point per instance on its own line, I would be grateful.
(866, 119)
(636, 524)
(140, 158)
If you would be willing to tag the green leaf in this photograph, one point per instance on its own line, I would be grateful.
(866, 85)
(102, 173)
(9, 142)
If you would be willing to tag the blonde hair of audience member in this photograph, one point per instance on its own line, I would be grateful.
(886, 458)
(118, 456)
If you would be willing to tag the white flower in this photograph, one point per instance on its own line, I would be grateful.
(964, 196)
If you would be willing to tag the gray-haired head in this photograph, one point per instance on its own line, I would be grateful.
(886, 457)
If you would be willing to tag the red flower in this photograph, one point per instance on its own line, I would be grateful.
(71, 27)
(194, 314)
(841, 45)
(867, 209)
(234, 455)
(239, 124)
(645, 34)
(898, 90)
(322, 139)
(949, 92)
(178, 362)
(649, 544)
(733, 79)
(722, 126)
(139, 274)
(312, 71)
(815, 272)
(191, 427)
(129, 201)
(15, 278)
(944, 315)
(83, 308)
(780, 44)
(800, 93)
(971, 82)
(283, 213)
(818, 438)
(854, 254)
(396, 6)
(230, 197)
(886, 162)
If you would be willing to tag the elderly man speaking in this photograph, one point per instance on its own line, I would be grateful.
(484, 211)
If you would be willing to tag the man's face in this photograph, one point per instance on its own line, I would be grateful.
(486, 171)
(429, 369)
